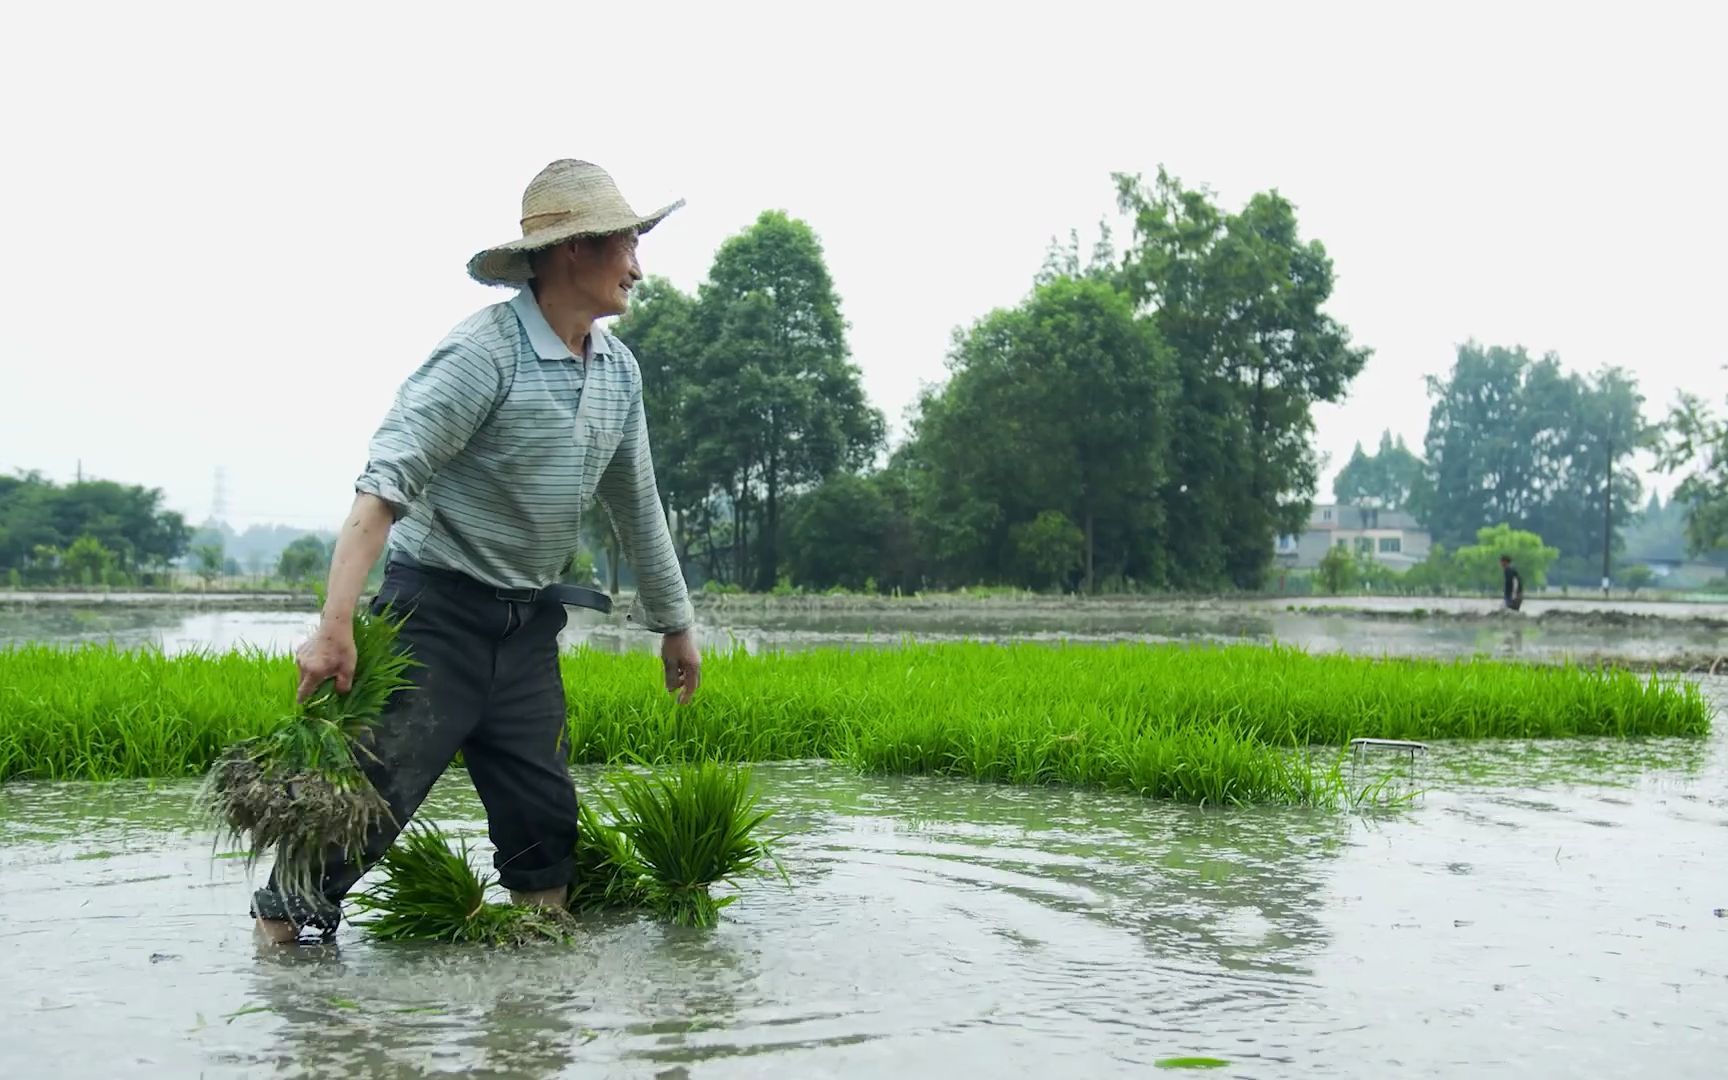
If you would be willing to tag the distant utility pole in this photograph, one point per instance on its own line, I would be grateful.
(1608, 511)
(219, 497)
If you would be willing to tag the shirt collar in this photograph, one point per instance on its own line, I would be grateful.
(547, 345)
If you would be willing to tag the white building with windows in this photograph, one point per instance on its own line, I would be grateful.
(1390, 537)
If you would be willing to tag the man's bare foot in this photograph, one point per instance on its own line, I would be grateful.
(277, 932)
(554, 898)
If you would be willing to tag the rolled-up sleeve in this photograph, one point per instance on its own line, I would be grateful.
(631, 496)
(437, 410)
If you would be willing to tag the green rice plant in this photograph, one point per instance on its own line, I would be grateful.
(97, 712)
(299, 790)
(666, 841)
(1214, 725)
(608, 876)
(688, 831)
(429, 892)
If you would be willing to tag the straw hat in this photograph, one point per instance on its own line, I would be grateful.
(568, 199)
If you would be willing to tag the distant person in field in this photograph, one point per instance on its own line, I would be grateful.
(1514, 584)
(478, 478)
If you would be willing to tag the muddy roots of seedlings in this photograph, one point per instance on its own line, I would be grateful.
(299, 792)
(432, 893)
(300, 819)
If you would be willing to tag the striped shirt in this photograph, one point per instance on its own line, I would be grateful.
(496, 445)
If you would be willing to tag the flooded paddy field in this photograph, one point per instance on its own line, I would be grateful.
(1677, 636)
(1541, 910)
(1536, 909)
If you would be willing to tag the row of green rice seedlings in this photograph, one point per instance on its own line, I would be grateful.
(659, 843)
(1208, 724)
(795, 705)
(101, 712)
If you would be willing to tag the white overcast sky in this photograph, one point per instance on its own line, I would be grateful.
(230, 230)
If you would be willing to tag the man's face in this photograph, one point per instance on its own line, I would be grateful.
(605, 272)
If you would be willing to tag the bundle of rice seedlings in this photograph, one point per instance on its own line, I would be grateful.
(298, 791)
(608, 876)
(432, 893)
(661, 844)
(688, 831)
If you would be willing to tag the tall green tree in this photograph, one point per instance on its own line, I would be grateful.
(837, 533)
(1051, 407)
(1694, 441)
(1477, 471)
(306, 558)
(125, 520)
(661, 332)
(777, 404)
(1238, 297)
(1390, 478)
(210, 561)
(1608, 429)
(1659, 535)
(1517, 440)
(904, 559)
(1064, 261)
(87, 562)
(27, 519)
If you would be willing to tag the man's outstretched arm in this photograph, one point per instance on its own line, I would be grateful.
(632, 499)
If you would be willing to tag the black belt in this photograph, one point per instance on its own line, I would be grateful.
(557, 592)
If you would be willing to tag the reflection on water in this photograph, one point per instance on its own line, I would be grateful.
(785, 630)
(1583, 603)
(1480, 930)
(1536, 909)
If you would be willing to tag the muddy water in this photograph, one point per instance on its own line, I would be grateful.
(1541, 910)
(1581, 603)
(1529, 637)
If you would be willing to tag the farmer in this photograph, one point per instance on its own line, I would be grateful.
(1514, 584)
(478, 477)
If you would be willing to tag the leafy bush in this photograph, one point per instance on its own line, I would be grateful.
(1637, 577)
(1049, 549)
(1338, 572)
(1478, 565)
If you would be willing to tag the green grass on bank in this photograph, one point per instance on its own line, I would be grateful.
(1238, 724)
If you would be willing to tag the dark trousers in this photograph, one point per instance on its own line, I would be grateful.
(488, 685)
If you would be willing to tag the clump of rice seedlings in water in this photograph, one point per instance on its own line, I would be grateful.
(299, 790)
(432, 893)
(608, 876)
(687, 832)
(668, 841)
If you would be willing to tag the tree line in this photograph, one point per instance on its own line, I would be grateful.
(1694, 444)
(103, 533)
(1141, 420)
(94, 532)
(1515, 440)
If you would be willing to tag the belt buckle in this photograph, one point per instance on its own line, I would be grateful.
(517, 596)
